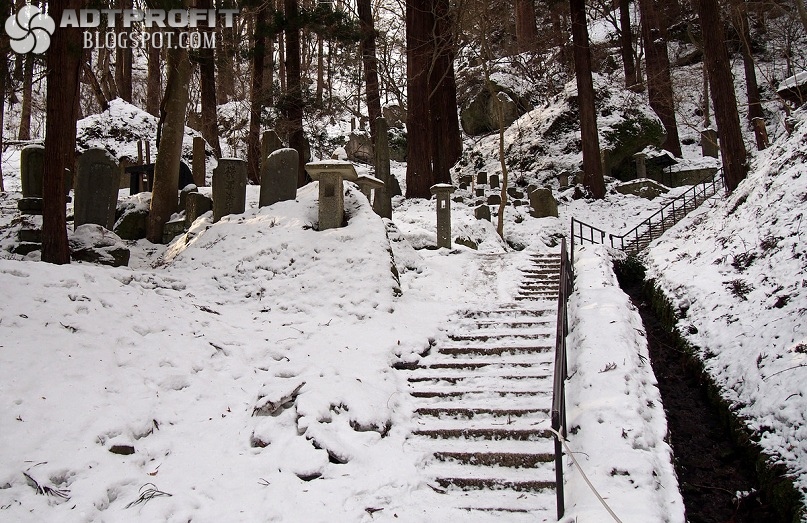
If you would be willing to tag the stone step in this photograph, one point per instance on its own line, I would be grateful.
(530, 421)
(475, 483)
(470, 395)
(504, 505)
(485, 401)
(496, 459)
(430, 445)
(546, 321)
(491, 433)
(494, 350)
(498, 336)
(496, 330)
(477, 360)
(480, 383)
(506, 372)
(468, 413)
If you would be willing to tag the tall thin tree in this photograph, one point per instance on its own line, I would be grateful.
(626, 44)
(293, 105)
(592, 166)
(659, 80)
(724, 100)
(368, 35)
(61, 108)
(256, 102)
(526, 29)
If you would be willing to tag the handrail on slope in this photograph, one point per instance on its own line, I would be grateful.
(561, 371)
(653, 226)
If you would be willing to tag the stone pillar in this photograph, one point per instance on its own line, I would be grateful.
(96, 189)
(641, 165)
(32, 169)
(760, 133)
(443, 192)
(229, 187)
(368, 184)
(279, 176)
(382, 204)
(198, 161)
(709, 145)
(330, 174)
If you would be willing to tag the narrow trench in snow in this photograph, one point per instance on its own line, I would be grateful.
(710, 467)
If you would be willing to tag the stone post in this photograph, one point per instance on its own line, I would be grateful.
(229, 187)
(709, 145)
(279, 177)
(382, 204)
(330, 174)
(198, 161)
(96, 189)
(443, 192)
(641, 165)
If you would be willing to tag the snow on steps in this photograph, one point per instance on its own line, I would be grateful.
(482, 400)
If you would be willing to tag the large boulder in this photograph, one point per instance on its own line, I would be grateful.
(479, 113)
(359, 147)
(132, 216)
(94, 244)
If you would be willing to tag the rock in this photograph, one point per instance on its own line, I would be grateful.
(394, 114)
(133, 224)
(543, 204)
(122, 450)
(644, 188)
(467, 242)
(173, 229)
(479, 111)
(95, 244)
(482, 212)
(494, 199)
(359, 147)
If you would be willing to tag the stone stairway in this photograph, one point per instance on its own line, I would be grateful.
(483, 397)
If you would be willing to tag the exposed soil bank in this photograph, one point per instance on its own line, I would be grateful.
(711, 468)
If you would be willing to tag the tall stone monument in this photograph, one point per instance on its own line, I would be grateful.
(279, 177)
(96, 189)
(229, 187)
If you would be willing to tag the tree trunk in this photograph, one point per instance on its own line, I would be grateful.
(659, 82)
(419, 22)
(256, 98)
(626, 41)
(123, 61)
(166, 167)
(294, 101)
(153, 80)
(64, 66)
(207, 88)
(321, 69)
(27, 92)
(716, 58)
(370, 65)
(526, 30)
(740, 21)
(445, 132)
(225, 88)
(5, 48)
(592, 165)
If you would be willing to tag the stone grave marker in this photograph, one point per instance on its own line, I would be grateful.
(96, 189)
(279, 177)
(32, 169)
(641, 165)
(196, 204)
(709, 144)
(229, 187)
(482, 212)
(482, 178)
(493, 179)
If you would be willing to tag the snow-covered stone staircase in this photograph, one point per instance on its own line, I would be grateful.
(483, 398)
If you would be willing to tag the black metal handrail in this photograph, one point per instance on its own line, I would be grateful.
(561, 370)
(653, 226)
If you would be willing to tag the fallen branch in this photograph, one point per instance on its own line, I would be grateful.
(148, 492)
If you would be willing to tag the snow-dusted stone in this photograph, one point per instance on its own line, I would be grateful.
(95, 244)
(644, 188)
(367, 184)
(543, 203)
(279, 177)
(709, 145)
(359, 147)
(229, 187)
(183, 195)
(196, 205)
(443, 193)
(132, 223)
(482, 212)
(330, 174)
(641, 166)
(494, 181)
(96, 189)
(482, 178)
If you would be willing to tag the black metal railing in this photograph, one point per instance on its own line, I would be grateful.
(561, 370)
(654, 225)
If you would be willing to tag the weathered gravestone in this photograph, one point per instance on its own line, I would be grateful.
(96, 189)
(229, 187)
(709, 144)
(32, 168)
(494, 181)
(330, 174)
(443, 192)
(196, 204)
(482, 212)
(543, 203)
(641, 165)
(279, 177)
(482, 178)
